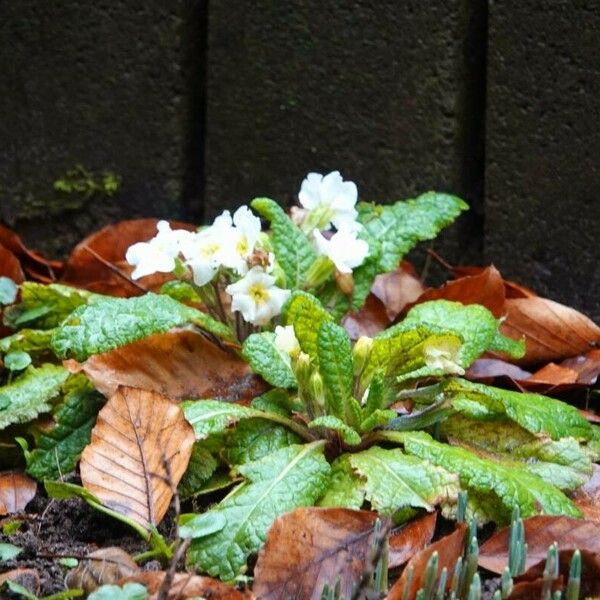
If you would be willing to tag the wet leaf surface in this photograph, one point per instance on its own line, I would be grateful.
(411, 538)
(137, 434)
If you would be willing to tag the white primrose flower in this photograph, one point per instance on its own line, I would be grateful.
(343, 249)
(158, 254)
(332, 195)
(286, 340)
(244, 237)
(206, 250)
(257, 297)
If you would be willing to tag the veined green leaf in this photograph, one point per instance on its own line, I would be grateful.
(200, 469)
(364, 276)
(346, 489)
(281, 481)
(536, 413)
(129, 591)
(59, 448)
(507, 487)
(378, 418)
(334, 351)
(214, 416)
(113, 322)
(30, 394)
(349, 435)
(253, 439)
(401, 226)
(473, 323)
(27, 340)
(46, 306)
(292, 248)
(268, 361)
(563, 463)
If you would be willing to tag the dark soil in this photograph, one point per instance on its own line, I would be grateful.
(55, 529)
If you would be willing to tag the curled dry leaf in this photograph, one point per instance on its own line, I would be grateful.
(102, 567)
(187, 585)
(10, 265)
(180, 364)
(410, 538)
(16, 491)
(485, 286)
(310, 547)
(449, 549)
(552, 331)
(587, 497)
(540, 533)
(487, 369)
(28, 578)
(398, 289)
(98, 262)
(139, 450)
(369, 320)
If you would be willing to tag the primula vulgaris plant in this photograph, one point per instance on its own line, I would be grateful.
(387, 422)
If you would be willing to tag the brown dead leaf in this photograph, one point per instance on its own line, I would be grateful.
(554, 374)
(552, 331)
(311, 547)
(179, 364)
(34, 264)
(16, 491)
(587, 367)
(187, 585)
(136, 433)
(398, 289)
(102, 567)
(10, 265)
(28, 578)
(98, 262)
(531, 583)
(540, 533)
(449, 549)
(369, 320)
(587, 497)
(490, 368)
(410, 538)
(484, 286)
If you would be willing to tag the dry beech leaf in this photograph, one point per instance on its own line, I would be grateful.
(137, 431)
(10, 265)
(310, 547)
(101, 567)
(369, 320)
(540, 533)
(449, 549)
(587, 367)
(411, 538)
(187, 585)
(587, 497)
(484, 287)
(179, 364)
(96, 261)
(490, 368)
(28, 578)
(398, 289)
(552, 331)
(16, 491)
(554, 374)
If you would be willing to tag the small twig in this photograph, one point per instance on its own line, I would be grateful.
(115, 269)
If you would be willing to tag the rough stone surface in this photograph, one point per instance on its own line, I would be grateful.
(378, 90)
(543, 147)
(103, 84)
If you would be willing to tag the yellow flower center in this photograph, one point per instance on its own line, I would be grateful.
(259, 294)
(208, 250)
(242, 247)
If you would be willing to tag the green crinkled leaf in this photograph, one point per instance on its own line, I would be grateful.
(9, 551)
(276, 401)
(292, 248)
(334, 352)
(281, 481)
(349, 435)
(130, 591)
(46, 306)
(346, 488)
(268, 361)
(213, 416)
(30, 394)
(306, 314)
(255, 438)
(473, 323)
(200, 469)
(563, 463)
(59, 448)
(378, 418)
(394, 480)
(364, 276)
(27, 340)
(198, 526)
(399, 227)
(503, 487)
(112, 322)
(536, 413)
(182, 291)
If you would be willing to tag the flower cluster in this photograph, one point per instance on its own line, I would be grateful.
(232, 256)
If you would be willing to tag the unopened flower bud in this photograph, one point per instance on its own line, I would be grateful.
(318, 272)
(443, 354)
(361, 353)
(302, 369)
(317, 390)
(345, 282)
